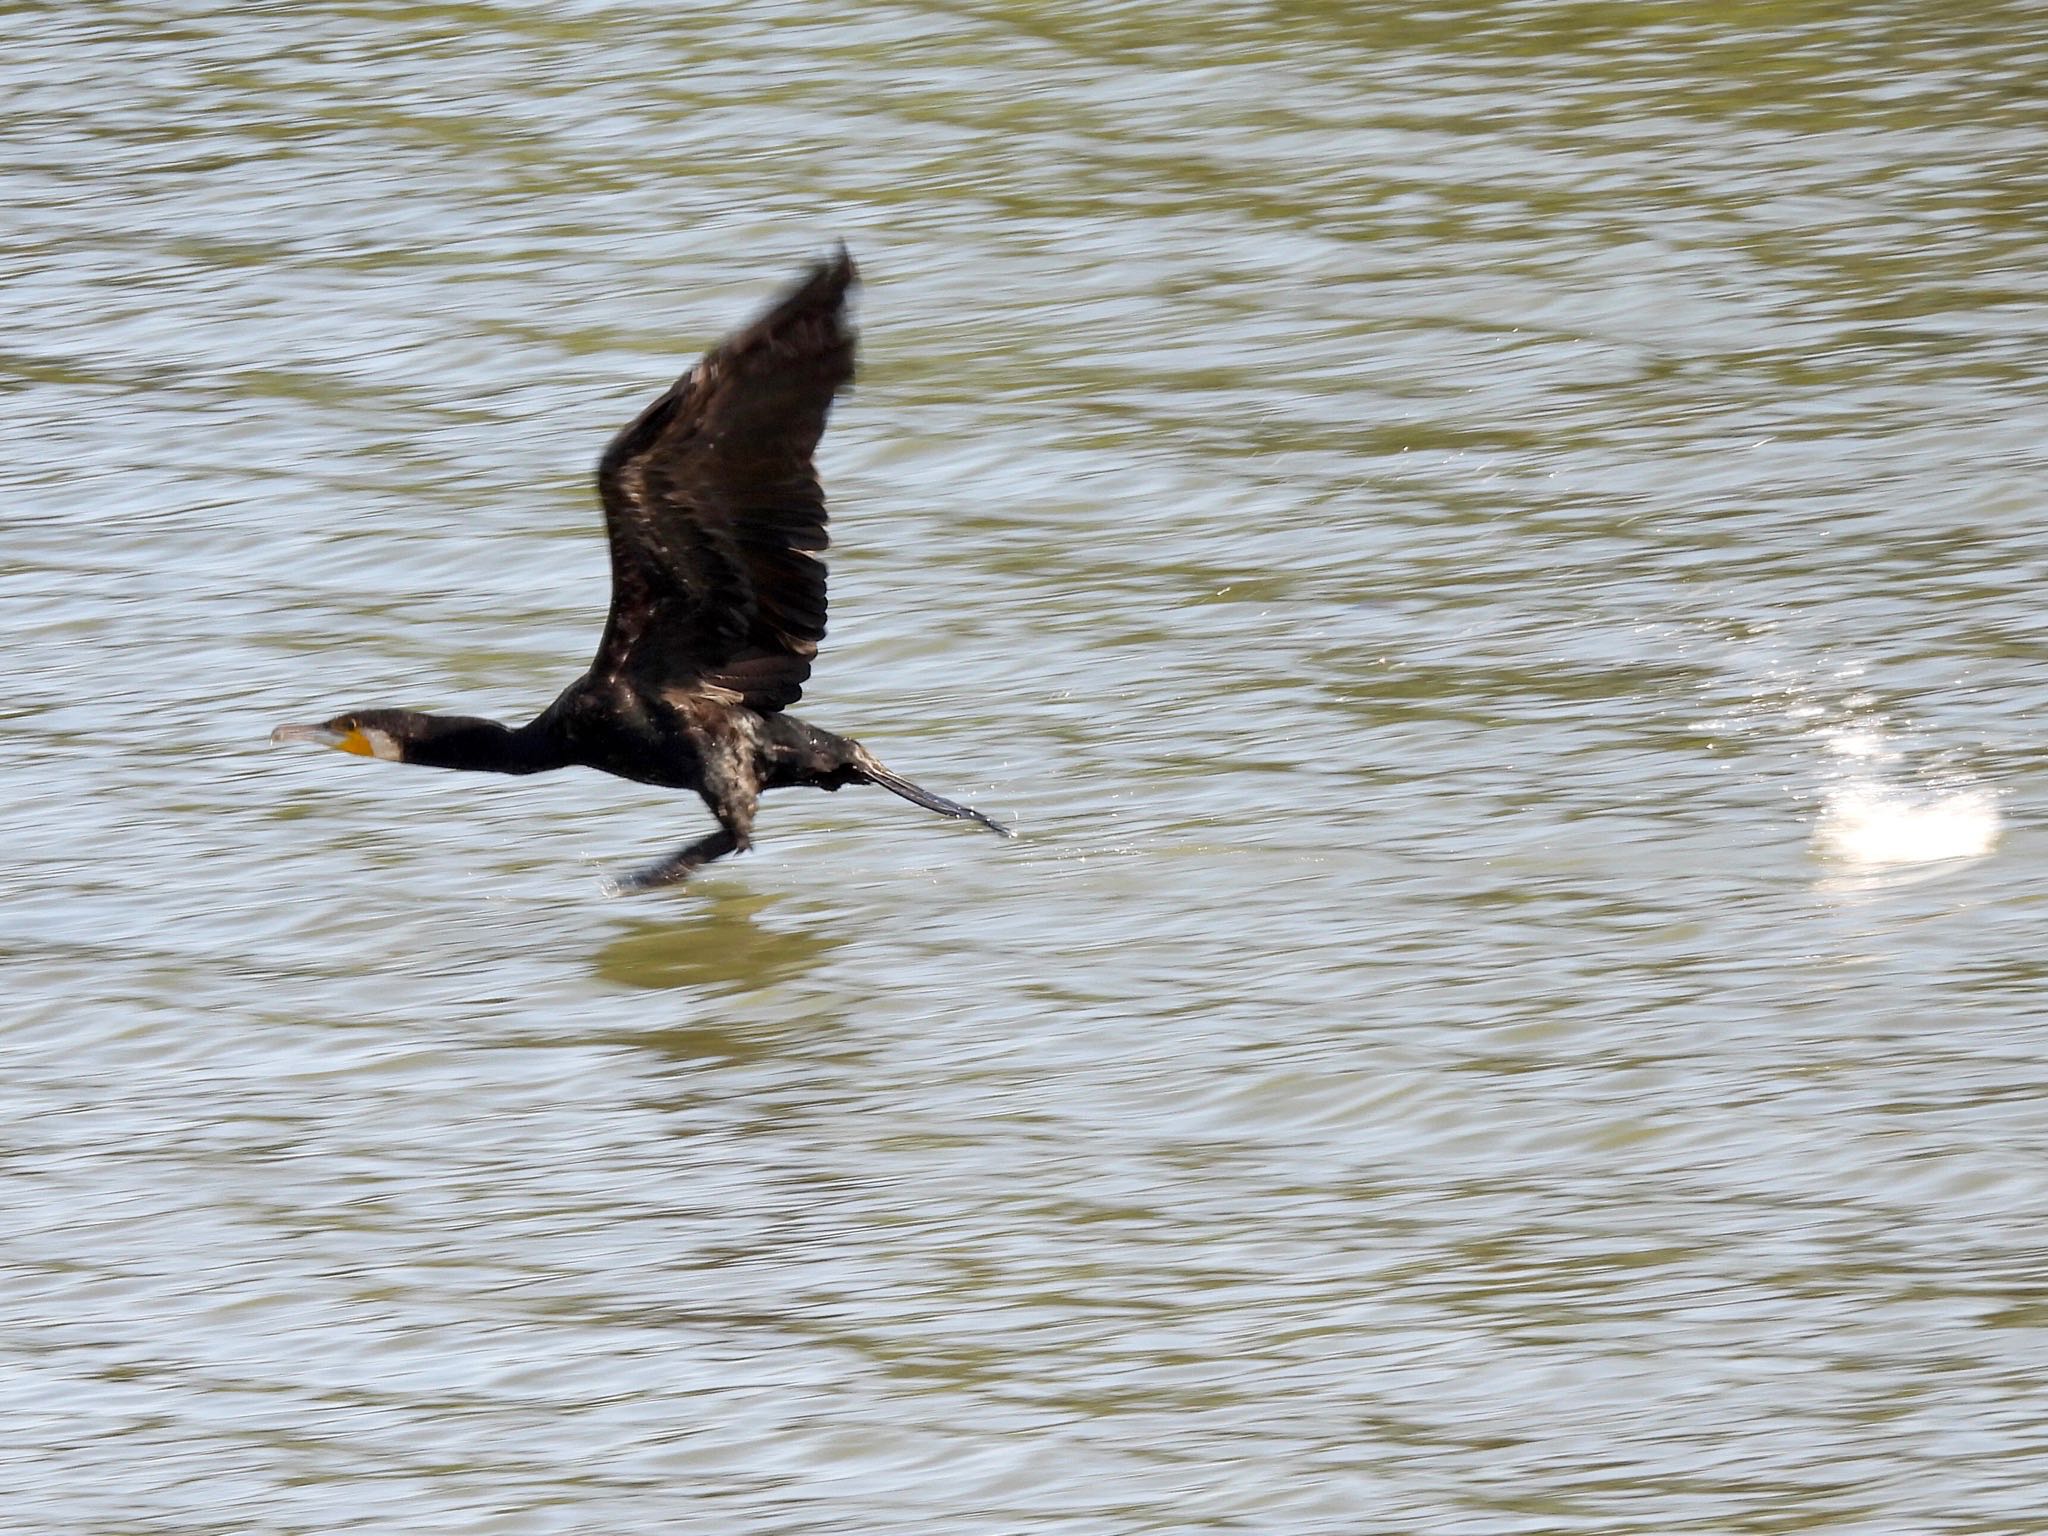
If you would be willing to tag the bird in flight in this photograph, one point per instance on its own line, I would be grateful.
(717, 529)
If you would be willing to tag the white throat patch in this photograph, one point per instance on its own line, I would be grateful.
(383, 744)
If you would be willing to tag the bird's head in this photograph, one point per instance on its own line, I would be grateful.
(384, 733)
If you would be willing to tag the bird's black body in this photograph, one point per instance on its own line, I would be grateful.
(717, 524)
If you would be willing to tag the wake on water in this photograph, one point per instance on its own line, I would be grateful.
(1886, 799)
(1869, 820)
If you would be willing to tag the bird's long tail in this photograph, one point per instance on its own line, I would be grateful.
(896, 784)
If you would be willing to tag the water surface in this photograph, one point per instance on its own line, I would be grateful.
(1493, 553)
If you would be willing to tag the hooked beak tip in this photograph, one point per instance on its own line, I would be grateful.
(317, 735)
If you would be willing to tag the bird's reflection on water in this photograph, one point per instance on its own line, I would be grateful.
(717, 944)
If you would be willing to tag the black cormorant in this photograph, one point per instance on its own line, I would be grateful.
(717, 528)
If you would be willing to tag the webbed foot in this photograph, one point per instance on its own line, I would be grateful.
(676, 868)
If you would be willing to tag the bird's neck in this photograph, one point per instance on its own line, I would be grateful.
(482, 746)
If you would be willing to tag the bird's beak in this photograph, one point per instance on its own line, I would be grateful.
(321, 736)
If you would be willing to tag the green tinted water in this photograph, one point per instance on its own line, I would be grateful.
(1493, 552)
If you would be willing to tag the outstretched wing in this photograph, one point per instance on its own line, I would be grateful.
(715, 515)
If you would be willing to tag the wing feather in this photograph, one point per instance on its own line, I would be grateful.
(714, 512)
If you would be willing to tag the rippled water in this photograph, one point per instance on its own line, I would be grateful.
(1494, 553)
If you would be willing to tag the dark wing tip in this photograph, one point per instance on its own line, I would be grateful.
(836, 272)
(840, 264)
(819, 295)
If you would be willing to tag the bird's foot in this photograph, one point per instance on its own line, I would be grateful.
(653, 877)
(676, 868)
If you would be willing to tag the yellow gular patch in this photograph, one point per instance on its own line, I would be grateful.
(355, 741)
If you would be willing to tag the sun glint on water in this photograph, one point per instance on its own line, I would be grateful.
(1867, 821)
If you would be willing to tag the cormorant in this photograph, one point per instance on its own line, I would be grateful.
(717, 524)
